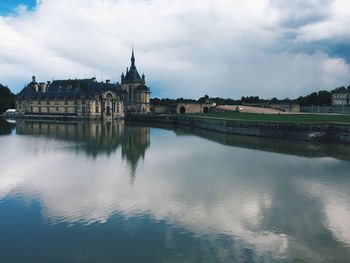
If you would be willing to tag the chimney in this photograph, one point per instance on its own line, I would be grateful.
(94, 79)
(43, 87)
(108, 81)
(36, 87)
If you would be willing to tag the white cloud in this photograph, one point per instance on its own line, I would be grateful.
(186, 48)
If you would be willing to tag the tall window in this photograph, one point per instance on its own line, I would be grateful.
(117, 104)
(96, 110)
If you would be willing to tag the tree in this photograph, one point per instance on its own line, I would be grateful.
(204, 99)
(324, 98)
(7, 99)
(274, 100)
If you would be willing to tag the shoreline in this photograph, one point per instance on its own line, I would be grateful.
(300, 131)
(314, 132)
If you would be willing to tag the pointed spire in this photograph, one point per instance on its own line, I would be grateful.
(132, 58)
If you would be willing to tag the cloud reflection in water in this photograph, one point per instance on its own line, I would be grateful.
(280, 206)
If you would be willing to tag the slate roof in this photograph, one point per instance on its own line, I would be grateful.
(132, 76)
(70, 89)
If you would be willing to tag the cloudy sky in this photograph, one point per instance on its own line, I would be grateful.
(186, 48)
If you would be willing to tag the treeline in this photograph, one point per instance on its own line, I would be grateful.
(7, 99)
(204, 99)
(320, 98)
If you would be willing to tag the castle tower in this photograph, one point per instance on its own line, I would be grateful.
(136, 92)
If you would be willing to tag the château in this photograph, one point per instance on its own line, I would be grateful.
(86, 98)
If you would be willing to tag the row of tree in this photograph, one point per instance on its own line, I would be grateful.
(320, 98)
(7, 99)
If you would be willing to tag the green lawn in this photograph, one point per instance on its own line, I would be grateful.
(293, 118)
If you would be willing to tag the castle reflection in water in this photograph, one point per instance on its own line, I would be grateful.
(95, 137)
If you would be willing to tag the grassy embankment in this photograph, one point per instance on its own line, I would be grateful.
(291, 118)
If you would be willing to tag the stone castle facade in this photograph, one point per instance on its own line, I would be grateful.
(86, 98)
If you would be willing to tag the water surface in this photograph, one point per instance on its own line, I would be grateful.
(119, 192)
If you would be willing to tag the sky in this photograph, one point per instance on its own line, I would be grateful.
(186, 48)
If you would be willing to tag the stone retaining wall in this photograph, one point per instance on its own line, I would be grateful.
(295, 131)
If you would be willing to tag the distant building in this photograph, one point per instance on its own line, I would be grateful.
(85, 98)
(341, 97)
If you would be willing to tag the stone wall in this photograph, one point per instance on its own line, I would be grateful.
(182, 108)
(192, 108)
(286, 107)
(295, 131)
(162, 109)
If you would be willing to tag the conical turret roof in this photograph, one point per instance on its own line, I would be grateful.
(132, 76)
